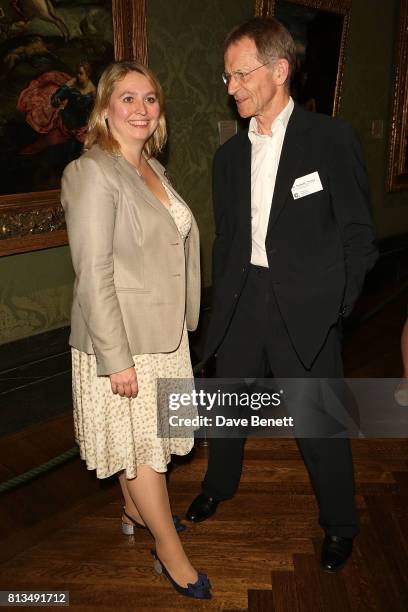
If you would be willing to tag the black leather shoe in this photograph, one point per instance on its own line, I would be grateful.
(335, 552)
(202, 508)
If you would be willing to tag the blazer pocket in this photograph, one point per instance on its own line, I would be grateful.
(132, 290)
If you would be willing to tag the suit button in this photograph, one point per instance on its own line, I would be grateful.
(272, 251)
(343, 310)
(244, 269)
(235, 296)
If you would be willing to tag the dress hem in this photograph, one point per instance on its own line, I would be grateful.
(133, 472)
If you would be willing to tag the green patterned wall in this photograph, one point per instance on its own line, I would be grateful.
(35, 292)
(185, 38)
(185, 51)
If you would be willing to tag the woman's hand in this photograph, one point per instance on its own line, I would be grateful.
(125, 383)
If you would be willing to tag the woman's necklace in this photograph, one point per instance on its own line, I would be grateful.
(138, 171)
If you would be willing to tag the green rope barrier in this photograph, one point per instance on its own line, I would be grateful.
(7, 485)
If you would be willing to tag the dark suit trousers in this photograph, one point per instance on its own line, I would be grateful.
(257, 344)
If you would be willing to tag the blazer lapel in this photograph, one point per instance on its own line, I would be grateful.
(293, 150)
(243, 182)
(161, 172)
(137, 184)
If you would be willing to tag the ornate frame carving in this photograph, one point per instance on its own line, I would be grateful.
(266, 8)
(32, 221)
(397, 175)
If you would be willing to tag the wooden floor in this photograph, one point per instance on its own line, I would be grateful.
(261, 549)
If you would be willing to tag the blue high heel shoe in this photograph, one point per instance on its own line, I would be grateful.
(129, 528)
(199, 590)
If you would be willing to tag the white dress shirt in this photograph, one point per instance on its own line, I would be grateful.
(266, 152)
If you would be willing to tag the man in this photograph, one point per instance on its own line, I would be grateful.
(294, 241)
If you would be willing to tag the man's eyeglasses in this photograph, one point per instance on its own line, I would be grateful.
(239, 75)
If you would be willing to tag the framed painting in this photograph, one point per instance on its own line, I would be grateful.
(397, 176)
(52, 53)
(320, 29)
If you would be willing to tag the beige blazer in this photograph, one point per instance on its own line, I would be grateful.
(136, 279)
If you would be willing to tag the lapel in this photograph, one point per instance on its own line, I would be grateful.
(129, 174)
(294, 147)
(137, 185)
(243, 182)
(162, 174)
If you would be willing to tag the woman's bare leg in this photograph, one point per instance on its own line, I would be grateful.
(148, 492)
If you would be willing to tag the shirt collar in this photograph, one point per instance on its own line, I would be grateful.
(281, 119)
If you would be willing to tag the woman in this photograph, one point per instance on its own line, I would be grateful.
(57, 107)
(135, 251)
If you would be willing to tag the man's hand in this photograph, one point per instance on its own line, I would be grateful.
(125, 383)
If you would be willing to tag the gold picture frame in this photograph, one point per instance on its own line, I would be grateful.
(269, 8)
(397, 175)
(32, 221)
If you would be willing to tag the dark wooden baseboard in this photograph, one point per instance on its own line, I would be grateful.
(35, 380)
(31, 349)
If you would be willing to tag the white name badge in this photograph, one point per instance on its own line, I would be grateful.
(305, 185)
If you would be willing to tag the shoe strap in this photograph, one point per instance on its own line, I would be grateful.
(132, 520)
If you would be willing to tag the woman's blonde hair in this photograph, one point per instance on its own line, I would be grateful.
(98, 129)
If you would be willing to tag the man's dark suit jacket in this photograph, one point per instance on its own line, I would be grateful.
(319, 247)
